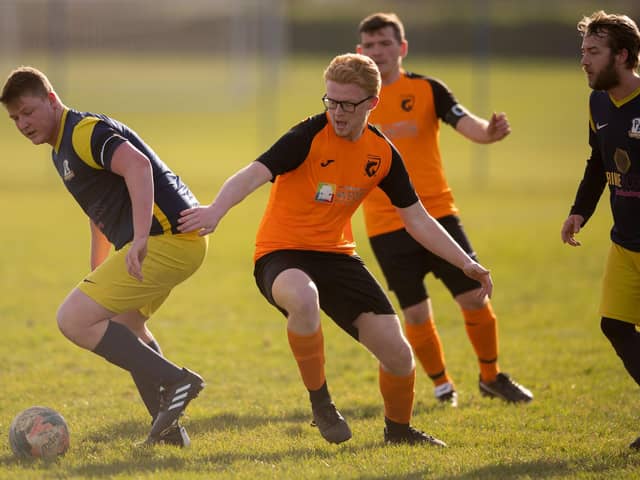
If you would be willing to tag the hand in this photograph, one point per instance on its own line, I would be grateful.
(498, 127)
(478, 272)
(570, 227)
(198, 218)
(135, 256)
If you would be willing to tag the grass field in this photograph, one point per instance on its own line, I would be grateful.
(252, 421)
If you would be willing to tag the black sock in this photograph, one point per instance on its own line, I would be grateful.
(395, 426)
(626, 341)
(320, 397)
(122, 348)
(149, 391)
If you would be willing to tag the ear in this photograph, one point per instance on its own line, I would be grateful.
(404, 48)
(622, 56)
(53, 98)
(373, 103)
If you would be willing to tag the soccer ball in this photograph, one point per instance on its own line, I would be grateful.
(39, 432)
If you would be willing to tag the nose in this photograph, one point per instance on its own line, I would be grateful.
(21, 123)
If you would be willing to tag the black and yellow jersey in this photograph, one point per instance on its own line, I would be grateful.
(614, 137)
(82, 156)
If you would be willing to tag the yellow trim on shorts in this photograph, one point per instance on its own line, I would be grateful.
(621, 285)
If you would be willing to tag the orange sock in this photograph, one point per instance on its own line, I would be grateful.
(425, 341)
(308, 351)
(482, 329)
(397, 394)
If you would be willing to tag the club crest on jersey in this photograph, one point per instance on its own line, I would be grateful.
(372, 165)
(67, 173)
(407, 102)
(635, 128)
(326, 192)
(622, 160)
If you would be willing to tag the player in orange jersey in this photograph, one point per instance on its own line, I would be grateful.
(411, 107)
(305, 257)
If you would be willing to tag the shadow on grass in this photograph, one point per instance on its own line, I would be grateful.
(145, 460)
(222, 421)
(544, 468)
(296, 416)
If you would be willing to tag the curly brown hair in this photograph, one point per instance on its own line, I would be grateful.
(621, 32)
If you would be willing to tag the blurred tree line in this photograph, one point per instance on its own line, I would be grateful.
(435, 27)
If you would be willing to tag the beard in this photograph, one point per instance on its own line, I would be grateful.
(608, 78)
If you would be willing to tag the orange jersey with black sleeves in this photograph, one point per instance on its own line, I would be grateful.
(409, 114)
(320, 179)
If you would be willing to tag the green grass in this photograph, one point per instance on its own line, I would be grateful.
(253, 419)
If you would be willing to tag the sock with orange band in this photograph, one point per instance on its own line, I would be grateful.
(397, 394)
(425, 341)
(308, 350)
(482, 329)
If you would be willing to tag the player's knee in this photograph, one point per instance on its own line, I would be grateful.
(64, 321)
(301, 301)
(471, 300)
(400, 361)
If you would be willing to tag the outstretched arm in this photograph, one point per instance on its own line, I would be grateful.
(430, 234)
(233, 191)
(480, 130)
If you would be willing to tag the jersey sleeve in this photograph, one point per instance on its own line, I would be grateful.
(447, 107)
(397, 185)
(95, 141)
(289, 151)
(104, 142)
(592, 183)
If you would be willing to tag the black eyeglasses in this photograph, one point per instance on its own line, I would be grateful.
(348, 107)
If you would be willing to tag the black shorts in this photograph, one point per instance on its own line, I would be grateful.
(405, 263)
(345, 286)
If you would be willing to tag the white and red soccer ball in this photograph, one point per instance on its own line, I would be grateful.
(39, 432)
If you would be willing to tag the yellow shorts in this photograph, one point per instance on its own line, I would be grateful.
(170, 260)
(621, 285)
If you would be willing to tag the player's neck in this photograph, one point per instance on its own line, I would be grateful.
(391, 77)
(58, 115)
(628, 84)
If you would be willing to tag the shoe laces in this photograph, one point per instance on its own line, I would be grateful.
(327, 413)
(442, 390)
(508, 382)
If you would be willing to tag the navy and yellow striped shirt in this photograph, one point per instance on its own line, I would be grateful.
(82, 156)
(614, 137)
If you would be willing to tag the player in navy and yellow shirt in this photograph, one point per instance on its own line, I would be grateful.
(82, 155)
(409, 114)
(305, 257)
(610, 48)
(133, 201)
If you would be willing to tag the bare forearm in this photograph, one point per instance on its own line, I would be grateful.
(436, 239)
(233, 191)
(139, 179)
